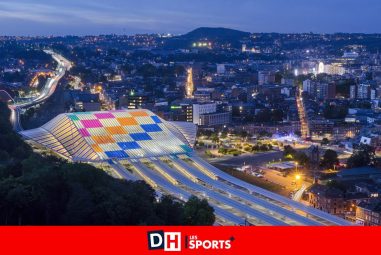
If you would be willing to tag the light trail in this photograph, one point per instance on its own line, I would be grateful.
(304, 128)
(47, 91)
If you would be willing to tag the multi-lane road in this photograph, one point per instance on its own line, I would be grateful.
(46, 92)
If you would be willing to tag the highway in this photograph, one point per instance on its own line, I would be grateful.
(46, 92)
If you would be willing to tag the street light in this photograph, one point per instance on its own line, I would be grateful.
(297, 180)
(297, 176)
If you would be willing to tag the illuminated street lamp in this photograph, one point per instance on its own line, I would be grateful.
(297, 176)
(297, 179)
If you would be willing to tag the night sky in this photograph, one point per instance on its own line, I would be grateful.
(84, 17)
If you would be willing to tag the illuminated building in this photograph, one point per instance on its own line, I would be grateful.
(308, 86)
(266, 77)
(182, 112)
(325, 90)
(350, 55)
(200, 109)
(245, 49)
(202, 96)
(221, 68)
(135, 100)
(352, 92)
(189, 85)
(334, 69)
(363, 91)
(202, 44)
(84, 101)
(215, 119)
(321, 67)
(98, 136)
(320, 90)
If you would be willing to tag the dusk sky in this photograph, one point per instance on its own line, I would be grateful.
(83, 17)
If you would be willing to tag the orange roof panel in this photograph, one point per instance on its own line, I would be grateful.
(97, 148)
(117, 130)
(139, 114)
(127, 121)
(102, 139)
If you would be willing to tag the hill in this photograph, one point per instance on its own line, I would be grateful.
(216, 35)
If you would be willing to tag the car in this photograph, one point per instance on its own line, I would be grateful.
(258, 175)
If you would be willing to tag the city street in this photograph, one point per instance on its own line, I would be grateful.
(249, 159)
(290, 182)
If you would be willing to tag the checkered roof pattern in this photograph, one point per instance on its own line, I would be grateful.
(127, 134)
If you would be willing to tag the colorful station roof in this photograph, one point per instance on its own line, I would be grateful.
(120, 134)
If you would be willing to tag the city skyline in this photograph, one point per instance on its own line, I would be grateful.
(130, 17)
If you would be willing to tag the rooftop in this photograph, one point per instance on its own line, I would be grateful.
(98, 136)
(359, 171)
(326, 191)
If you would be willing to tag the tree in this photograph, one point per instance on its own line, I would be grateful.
(170, 211)
(263, 116)
(198, 212)
(325, 141)
(222, 150)
(224, 134)
(147, 70)
(264, 133)
(330, 159)
(4, 156)
(263, 147)
(335, 111)
(16, 199)
(288, 151)
(278, 77)
(5, 113)
(302, 158)
(364, 155)
(243, 134)
(214, 137)
(277, 115)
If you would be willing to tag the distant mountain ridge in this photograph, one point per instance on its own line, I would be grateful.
(215, 33)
